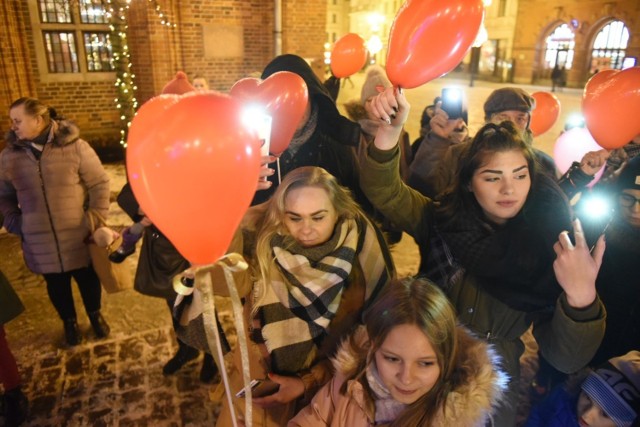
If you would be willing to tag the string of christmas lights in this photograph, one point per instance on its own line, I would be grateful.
(125, 100)
(164, 18)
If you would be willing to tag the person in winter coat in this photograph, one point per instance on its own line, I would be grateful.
(409, 365)
(316, 262)
(608, 396)
(324, 138)
(376, 78)
(617, 285)
(46, 173)
(159, 260)
(15, 402)
(515, 105)
(493, 245)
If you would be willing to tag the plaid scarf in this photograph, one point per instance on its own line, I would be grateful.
(306, 287)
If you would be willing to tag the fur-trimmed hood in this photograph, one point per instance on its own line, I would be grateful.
(62, 132)
(477, 386)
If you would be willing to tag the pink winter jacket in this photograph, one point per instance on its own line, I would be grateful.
(43, 201)
(470, 403)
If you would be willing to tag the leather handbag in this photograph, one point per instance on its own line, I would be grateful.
(158, 263)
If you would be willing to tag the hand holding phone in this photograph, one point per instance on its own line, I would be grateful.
(453, 102)
(260, 388)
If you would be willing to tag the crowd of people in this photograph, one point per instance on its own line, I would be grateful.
(339, 336)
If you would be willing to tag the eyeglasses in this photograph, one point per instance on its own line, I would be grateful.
(627, 200)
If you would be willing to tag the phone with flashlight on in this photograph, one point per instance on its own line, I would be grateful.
(596, 213)
(453, 103)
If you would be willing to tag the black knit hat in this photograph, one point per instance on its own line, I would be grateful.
(629, 178)
(508, 98)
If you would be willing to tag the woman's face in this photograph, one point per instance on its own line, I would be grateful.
(630, 206)
(407, 364)
(590, 414)
(309, 215)
(24, 125)
(501, 185)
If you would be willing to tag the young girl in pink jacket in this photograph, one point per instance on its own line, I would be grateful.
(410, 365)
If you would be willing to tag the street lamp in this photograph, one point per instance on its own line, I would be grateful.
(374, 45)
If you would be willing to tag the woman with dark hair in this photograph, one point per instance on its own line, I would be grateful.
(492, 238)
(409, 365)
(46, 173)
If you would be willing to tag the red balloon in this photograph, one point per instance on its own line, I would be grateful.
(545, 114)
(597, 79)
(571, 146)
(348, 55)
(147, 115)
(429, 38)
(610, 106)
(245, 88)
(196, 173)
(284, 96)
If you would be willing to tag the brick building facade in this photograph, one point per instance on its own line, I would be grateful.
(584, 20)
(222, 40)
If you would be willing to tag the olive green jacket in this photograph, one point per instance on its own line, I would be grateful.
(567, 337)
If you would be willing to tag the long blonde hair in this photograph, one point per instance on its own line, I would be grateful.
(272, 221)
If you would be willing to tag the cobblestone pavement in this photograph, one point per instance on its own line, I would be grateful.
(118, 381)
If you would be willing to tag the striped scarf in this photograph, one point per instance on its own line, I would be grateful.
(306, 288)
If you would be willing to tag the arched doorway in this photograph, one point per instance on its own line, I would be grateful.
(559, 48)
(609, 45)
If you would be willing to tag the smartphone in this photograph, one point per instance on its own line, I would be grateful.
(453, 102)
(260, 388)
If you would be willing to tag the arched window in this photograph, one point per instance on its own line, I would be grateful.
(609, 47)
(560, 45)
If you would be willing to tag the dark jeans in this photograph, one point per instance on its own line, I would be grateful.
(59, 289)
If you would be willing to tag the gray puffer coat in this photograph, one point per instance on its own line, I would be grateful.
(43, 200)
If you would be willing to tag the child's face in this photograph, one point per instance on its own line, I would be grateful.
(590, 414)
(407, 364)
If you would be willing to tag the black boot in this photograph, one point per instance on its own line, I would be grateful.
(209, 369)
(71, 333)
(99, 325)
(17, 407)
(184, 355)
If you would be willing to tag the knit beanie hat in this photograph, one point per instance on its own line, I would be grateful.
(615, 386)
(508, 98)
(376, 76)
(630, 176)
(179, 85)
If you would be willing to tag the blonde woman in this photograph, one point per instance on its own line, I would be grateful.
(317, 262)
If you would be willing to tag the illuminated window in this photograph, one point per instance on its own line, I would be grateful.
(73, 30)
(559, 47)
(61, 52)
(98, 49)
(609, 47)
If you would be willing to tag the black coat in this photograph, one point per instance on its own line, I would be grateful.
(332, 145)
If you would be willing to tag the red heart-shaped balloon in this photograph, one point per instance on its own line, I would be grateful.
(610, 106)
(348, 55)
(284, 96)
(147, 115)
(544, 116)
(429, 38)
(195, 173)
